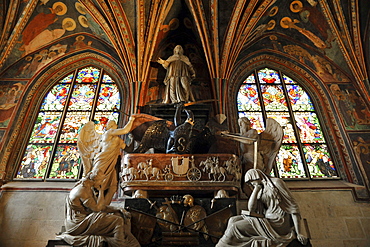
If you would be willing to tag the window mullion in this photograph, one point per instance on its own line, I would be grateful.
(259, 91)
(294, 125)
(57, 136)
(96, 97)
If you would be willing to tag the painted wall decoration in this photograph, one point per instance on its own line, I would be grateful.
(10, 94)
(51, 21)
(2, 134)
(33, 63)
(354, 112)
(361, 146)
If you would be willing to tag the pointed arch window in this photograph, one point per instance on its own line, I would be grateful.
(304, 153)
(84, 95)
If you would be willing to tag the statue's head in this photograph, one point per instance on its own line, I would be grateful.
(111, 125)
(244, 123)
(178, 50)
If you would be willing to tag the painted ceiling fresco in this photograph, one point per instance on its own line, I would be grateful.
(328, 36)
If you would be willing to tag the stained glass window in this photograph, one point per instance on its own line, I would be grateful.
(268, 93)
(51, 153)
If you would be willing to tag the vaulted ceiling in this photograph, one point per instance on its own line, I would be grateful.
(225, 33)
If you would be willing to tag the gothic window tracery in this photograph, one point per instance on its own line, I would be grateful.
(268, 93)
(87, 94)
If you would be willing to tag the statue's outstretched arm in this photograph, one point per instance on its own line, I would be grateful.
(126, 129)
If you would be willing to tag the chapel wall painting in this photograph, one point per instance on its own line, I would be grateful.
(52, 20)
(10, 93)
(361, 147)
(351, 106)
(28, 66)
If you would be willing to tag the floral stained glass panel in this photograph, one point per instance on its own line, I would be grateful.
(46, 127)
(248, 98)
(255, 118)
(250, 79)
(288, 80)
(299, 98)
(82, 97)
(273, 98)
(109, 97)
(72, 125)
(107, 79)
(101, 119)
(35, 160)
(309, 126)
(88, 75)
(67, 79)
(289, 162)
(66, 162)
(319, 161)
(268, 76)
(56, 98)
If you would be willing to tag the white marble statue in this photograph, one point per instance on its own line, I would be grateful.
(269, 142)
(106, 155)
(268, 219)
(90, 222)
(87, 144)
(180, 73)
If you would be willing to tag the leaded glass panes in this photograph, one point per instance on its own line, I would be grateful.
(248, 99)
(319, 161)
(268, 76)
(289, 162)
(88, 75)
(255, 118)
(56, 98)
(289, 104)
(82, 97)
(108, 97)
(46, 127)
(273, 98)
(35, 161)
(66, 162)
(72, 125)
(283, 118)
(299, 99)
(73, 101)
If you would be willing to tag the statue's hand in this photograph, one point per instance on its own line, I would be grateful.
(302, 239)
(160, 60)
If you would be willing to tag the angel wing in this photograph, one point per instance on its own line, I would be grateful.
(88, 145)
(270, 142)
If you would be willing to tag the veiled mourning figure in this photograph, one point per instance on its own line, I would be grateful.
(180, 73)
(90, 222)
(272, 218)
(107, 154)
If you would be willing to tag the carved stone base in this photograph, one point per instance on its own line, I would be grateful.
(172, 172)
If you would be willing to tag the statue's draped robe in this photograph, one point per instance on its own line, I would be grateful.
(178, 79)
(275, 229)
(86, 228)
